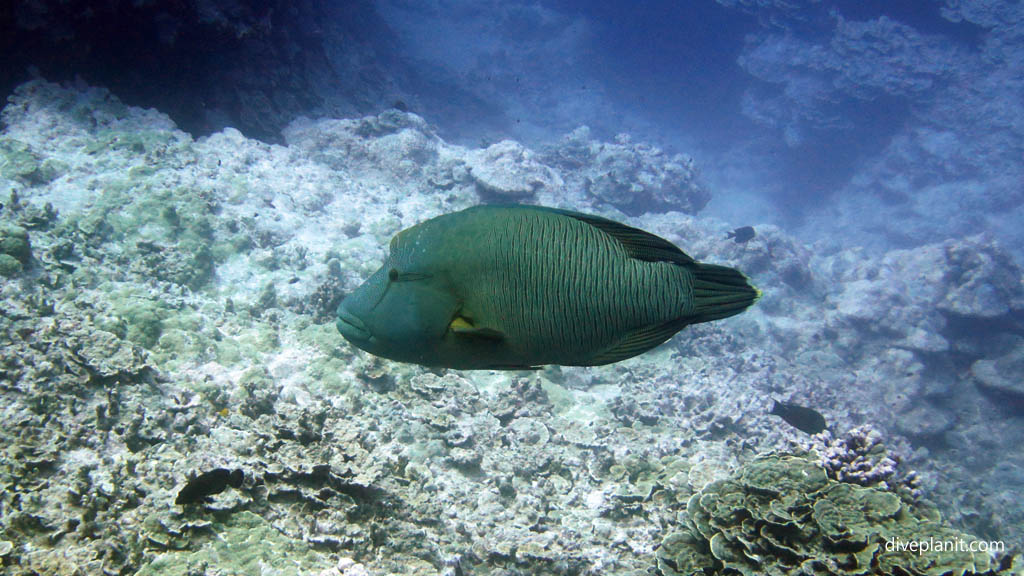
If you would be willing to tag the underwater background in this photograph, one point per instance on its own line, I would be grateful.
(189, 188)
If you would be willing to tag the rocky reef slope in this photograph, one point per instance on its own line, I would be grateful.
(166, 311)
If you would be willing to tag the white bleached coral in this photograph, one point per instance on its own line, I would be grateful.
(507, 171)
(631, 176)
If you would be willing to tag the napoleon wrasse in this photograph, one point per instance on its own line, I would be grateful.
(514, 287)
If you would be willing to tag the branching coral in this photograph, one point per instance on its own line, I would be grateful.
(860, 457)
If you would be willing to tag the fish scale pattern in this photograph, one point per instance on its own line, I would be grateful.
(564, 286)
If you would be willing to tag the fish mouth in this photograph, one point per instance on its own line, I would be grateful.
(351, 327)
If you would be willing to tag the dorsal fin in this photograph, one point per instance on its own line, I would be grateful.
(637, 243)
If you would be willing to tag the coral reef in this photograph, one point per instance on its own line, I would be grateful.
(781, 514)
(917, 310)
(173, 317)
(1002, 378)
(860, 457)
(15, 251)
(633, 177)
(940, 283)
(507, 171)
(403, 150)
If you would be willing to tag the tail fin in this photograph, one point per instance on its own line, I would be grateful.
(720, 292)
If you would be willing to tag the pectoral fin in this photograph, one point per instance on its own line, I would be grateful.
(463, 327)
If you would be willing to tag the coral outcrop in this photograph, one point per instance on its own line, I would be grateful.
(860, 457)
(781, 514)
(15, 251)
(508, 172)
(1002, 378)
(631, 176)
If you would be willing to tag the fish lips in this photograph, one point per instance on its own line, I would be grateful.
(352, 328)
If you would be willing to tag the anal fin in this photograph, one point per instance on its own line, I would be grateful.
(639, 341)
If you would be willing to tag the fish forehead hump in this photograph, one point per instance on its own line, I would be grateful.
(441, 240)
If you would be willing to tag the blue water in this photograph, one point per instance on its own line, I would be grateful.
(787, 103)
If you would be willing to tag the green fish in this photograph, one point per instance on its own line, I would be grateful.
(518, 287)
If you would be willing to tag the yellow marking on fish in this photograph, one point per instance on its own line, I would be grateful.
(460, 324)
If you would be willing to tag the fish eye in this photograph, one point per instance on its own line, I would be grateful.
(393, 274)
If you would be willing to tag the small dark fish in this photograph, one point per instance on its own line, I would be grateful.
(400, 106)
(803, 419)
(742, 235)
(200, 488)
